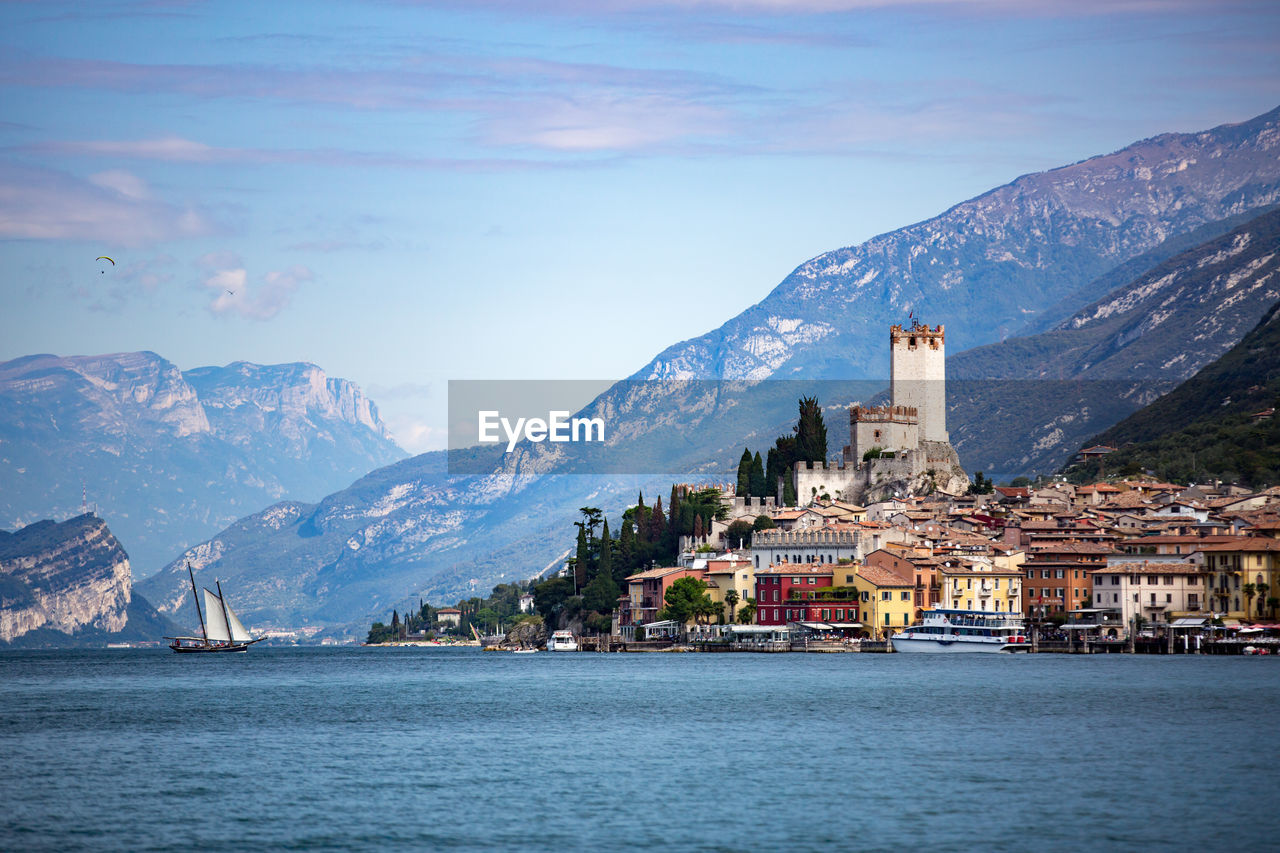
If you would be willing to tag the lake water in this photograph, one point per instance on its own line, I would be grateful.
(412, 749)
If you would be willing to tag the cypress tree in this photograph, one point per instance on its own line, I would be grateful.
(744, 472)
(626, 561)
(605, 564)
(774, 467)
(674, 508)
(788, 489)
(697, 528)
(757, 482)
(657, 524)
(811, 432)
(582, 561)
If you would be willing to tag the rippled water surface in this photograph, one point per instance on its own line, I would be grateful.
(399, 748)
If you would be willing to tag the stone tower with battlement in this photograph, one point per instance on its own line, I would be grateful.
(918, 376)
(905, 443)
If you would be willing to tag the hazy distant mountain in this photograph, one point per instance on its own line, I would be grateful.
(990, 267)
(70, 584)
(169, 458)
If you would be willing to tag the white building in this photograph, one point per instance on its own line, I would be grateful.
(1149, 589)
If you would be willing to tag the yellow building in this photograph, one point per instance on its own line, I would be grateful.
(734, 572)
(978, 585)
(1242, 575)
(888, 602)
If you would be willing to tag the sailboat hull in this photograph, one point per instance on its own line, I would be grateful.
(201, 648)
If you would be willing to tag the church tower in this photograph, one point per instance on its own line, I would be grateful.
(917, 372)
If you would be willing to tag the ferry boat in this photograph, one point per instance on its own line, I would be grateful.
(955, 631)
(562, 641)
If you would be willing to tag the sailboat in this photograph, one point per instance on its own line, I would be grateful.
(222, 632)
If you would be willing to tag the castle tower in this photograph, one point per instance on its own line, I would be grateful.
(917, 373)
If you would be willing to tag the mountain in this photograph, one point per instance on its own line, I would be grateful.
(988, 268)
(1211, 427)
(69, 583)
(1024, 405)
(170, 457)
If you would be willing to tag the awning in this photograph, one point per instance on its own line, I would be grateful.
(666, 623)
(846, 624)
(816, 626)
(757, 629)
(1188, 622)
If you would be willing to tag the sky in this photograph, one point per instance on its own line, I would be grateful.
(406, 193)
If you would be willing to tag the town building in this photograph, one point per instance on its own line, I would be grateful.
(1241, 572)
(888, 600)
(787, 593)
(977, 585)
(1153, 592)
(646, 595)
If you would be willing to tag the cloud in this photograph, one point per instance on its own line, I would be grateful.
(233, 294)
(414, 434)
(113, 207)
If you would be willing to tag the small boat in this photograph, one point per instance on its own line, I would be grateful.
(956, 631)
(523, 651)
(562, 641)
(223, 632)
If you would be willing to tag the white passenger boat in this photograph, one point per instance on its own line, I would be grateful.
(562, 641)
(954, 631)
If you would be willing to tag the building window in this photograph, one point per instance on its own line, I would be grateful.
(1168, 598)
(1044, 574)
(812, 581)
(848, 578)
(906, 595)
(885, 595)
(886, 619)
(1168, 580)
(1059, 573)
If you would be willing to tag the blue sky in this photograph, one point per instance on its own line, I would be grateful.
(406, 193)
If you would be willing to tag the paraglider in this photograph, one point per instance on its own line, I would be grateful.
(104, 258)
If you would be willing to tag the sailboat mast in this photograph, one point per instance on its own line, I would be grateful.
(230, 637)
(203, 632)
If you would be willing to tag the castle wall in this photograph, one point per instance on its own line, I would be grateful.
(887, 435)
(917, 363)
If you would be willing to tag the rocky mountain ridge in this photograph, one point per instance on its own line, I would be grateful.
(168, 457)
(988, 267)
(67, 581)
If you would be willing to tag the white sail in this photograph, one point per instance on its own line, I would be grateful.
(238, 633)
(215, 623)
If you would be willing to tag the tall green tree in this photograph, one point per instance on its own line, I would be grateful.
(757, 481)
(739, 534)
(811, 432)
(625, 559)
(657, 524)
(788, 488)
(604, 558)
(582, 559)
(774, 467)
(601, 595)
(744, 472)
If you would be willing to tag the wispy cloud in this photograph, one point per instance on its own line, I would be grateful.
(232, 293)
(114, 207)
